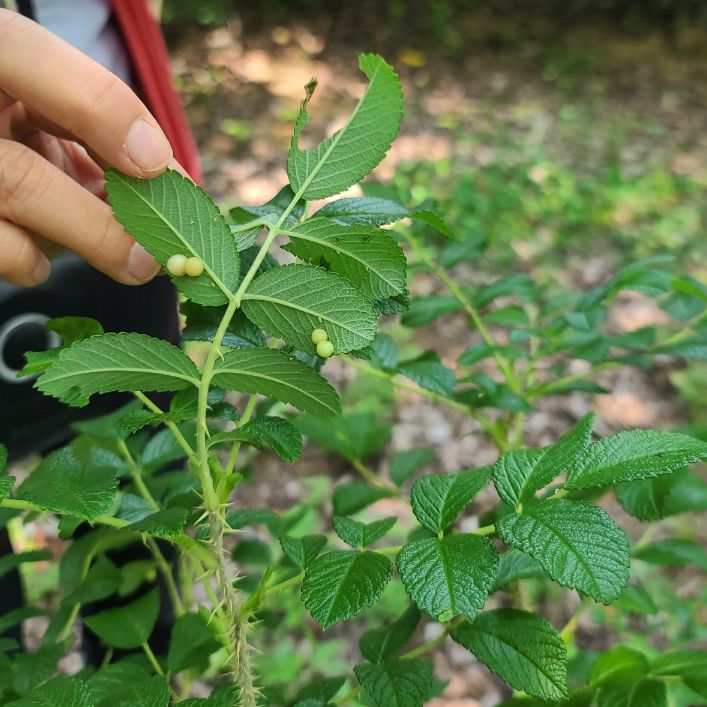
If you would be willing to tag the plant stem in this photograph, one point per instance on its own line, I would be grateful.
(469, 308)
(168, 576)
(136, 474)
(236, 448)
(570, 627)
(372, 477)
(153, 660)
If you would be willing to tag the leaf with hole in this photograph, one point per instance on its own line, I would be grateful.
(352, 152)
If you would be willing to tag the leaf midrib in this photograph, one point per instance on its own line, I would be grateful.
(278, 381)
(300, 308)
(347, 253)
(151, 371)
(222, 286)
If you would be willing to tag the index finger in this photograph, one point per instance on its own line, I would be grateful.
(90, 103)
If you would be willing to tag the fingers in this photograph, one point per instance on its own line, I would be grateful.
(39, 197)
(80, 97)
(21, 261)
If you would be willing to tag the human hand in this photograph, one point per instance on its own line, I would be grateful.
(63, 118)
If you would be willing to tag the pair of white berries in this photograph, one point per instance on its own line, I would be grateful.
(179, 265)
(321, 340)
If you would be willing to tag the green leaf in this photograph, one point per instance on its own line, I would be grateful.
(171, 215)
(673, 552)
(78, 481)
(293, 300)
(6, 484)
(115, 677)
(318, 693)
(102, 580)
(276, 375)
(619, 664)
(351, 498)
(634, 454)
(578, 544)
(16, 616)
(61, 691)
(379, 644)
(340, 584)
(191, 643)
(430, 373)
(372, 210)
(73, 329)
(684, 663)
(515, 565)
(265, 433)
(404, 464)
(117, 363)
(149, 692)
(13, 560)
(636, 599)
(352, 152)
(406, 682)
(523, 649)
(302, 551)
(437, 499)
(353, 436)
(127, 626)
(244, 517)
(360, 534)
(3, 457)
(431, 219)
(449, 576)
(203, 323)
(521, 473)
(426, 310)
(364, 255)
(167, 523)
(660, 496)
(644, 693)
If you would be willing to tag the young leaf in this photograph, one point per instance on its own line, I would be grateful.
(76, 481)
(379, 644)
(276, 375)
(117, 363)
(3, 457)
(293, 300)
(406, 682)
(127, 626)
(449, 576)
(372, 210)
(340, 584)
(191, 643)
(360, 534)
(265, 433)
(437, 499)
(352, 152)
(364, 255)
(520, 473)
(171, 215)
(523, 649)
(302, 551)
(578, 544)
(404, 464)
(634, 454)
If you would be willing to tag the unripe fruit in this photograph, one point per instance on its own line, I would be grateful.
(194, 267)
(175, 265)
(325, 349)
(319, 335)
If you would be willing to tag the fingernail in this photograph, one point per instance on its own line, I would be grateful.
(41, 271)
(147, 147)
(141, 265)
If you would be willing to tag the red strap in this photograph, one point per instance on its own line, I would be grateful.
(150, 62)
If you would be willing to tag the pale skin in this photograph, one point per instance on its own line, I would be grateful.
(63, 119)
